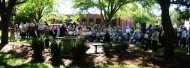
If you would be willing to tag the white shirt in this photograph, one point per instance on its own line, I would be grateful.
(128, 30)
(40, 27)
(184, 34)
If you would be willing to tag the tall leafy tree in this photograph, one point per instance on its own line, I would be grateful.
(36, 8)
(167, 25)
(168, 28)
(6, 7)
(184, 13)
(181, 2)
(108, 8)
(57, 17)
(138, 13)
(174, 15)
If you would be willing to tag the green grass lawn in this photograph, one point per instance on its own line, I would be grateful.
(6, 60)
(177, 50)
(0, 39)
(27, 40)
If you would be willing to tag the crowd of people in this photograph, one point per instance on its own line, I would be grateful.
(148, 37)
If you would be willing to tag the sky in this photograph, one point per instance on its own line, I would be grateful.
(66, 8)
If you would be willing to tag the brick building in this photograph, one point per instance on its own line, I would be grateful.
(91, 19)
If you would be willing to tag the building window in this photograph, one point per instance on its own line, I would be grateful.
(84, 21)
(98, 21)
(91, 21)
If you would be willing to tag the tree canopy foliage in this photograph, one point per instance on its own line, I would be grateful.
(108, 8)
(174, 15)
(137, 12)
(34, 9)
(183, 9)
(57, 17)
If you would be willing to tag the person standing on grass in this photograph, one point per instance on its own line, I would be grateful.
(184, 36)
(20, 29)
(29, 34)
(12, 32)
(23, 29)
(178, 35)
(147, 41)
(40, 29)
(188, 42)
(17, 35)
(155, 39)
(33, 29)
(28, 30)
(46, 30)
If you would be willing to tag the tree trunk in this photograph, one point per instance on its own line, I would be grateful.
(4, 37)
(5, 12)
(168, 28)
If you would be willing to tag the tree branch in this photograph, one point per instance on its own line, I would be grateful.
(2, 9)
(21, 2)
(10, 7)
(0, 6)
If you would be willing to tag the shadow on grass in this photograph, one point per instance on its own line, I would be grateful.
(83, 62)
(138, 57)
(179, 60)
(56, 62)
(6, 60)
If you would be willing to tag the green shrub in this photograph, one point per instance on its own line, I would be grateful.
(78, 48)
(106, 48)
(118, 48)
(124, 45)
(47, 41)
(121, 47)
(56, 51)
(55, 48)
(38, 47)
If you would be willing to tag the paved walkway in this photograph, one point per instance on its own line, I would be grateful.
(91, 50)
